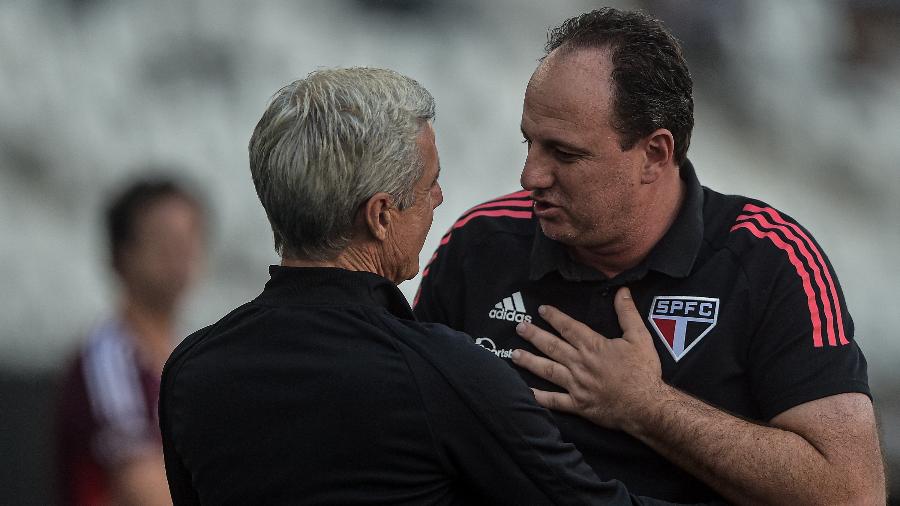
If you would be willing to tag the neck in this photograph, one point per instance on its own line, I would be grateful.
(154, 329)
(658, 214)
(353, 258)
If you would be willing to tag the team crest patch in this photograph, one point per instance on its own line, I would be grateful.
(682, 321)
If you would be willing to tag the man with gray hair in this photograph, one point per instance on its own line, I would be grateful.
(325, 389)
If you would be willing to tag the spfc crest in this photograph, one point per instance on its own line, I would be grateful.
(682, 321)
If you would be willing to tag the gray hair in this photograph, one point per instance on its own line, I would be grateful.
(326, 144)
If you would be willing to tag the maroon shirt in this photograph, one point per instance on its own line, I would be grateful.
(107, 414)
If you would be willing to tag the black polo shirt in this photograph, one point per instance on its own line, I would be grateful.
(745, 310)
(325, 390)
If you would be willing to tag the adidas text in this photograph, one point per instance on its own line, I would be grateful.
(510, 309)
(509, 315)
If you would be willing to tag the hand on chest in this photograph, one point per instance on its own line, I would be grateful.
(702, 332)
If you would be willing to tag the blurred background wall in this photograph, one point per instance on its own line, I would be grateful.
(797, 103)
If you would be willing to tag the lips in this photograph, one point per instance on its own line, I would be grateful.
(543, 208)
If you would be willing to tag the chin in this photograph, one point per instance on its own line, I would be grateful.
(412, 272)
(559, 232)
(405, 274)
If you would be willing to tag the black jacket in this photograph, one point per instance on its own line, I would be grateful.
(325, 389)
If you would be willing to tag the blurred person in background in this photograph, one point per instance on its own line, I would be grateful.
(324, 389)
(109, 447)
(750, 387)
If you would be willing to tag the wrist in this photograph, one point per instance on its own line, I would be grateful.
(649, 410)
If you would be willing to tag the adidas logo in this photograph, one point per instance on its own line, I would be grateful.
(511, 309)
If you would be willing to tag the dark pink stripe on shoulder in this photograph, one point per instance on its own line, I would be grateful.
(831, 295)
(517, 199)
(495, 213)
(503, 203)
(801, 271)
(514, 195)
(816, 271)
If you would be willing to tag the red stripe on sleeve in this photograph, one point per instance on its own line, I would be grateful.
(515, 195)
(801, 271)
(504, 203)
(818, 253)
(817, 273)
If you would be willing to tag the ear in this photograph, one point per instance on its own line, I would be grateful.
(659, 149)
(377, 216)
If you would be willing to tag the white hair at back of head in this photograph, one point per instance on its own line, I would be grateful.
(326, 144)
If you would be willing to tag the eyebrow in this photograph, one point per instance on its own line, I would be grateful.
(557, 143)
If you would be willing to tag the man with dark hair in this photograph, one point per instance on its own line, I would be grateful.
(746, 383)
(109, 446)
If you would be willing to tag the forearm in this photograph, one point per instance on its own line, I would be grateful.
(745, 462)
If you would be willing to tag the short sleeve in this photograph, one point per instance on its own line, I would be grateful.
(803, 347)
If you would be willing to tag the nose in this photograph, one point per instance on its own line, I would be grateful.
(537, 174)
(438, 198)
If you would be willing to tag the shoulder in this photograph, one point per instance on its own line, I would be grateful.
(189, 346)
(510, 213)
(771, 247)
(783, 262)
(752, 228)
(107, 341)
(499, 217)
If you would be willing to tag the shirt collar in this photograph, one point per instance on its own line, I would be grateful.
(673, 255)
(332, 286)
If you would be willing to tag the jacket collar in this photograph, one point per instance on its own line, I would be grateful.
(332, 286)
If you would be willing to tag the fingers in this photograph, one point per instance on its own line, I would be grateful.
(570, 329)
(557, 401)
(543, 367)
(549, 344)
(629, 318)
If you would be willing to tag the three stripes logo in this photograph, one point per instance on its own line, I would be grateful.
(511, 309)
(682, 321)
(822, 299)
